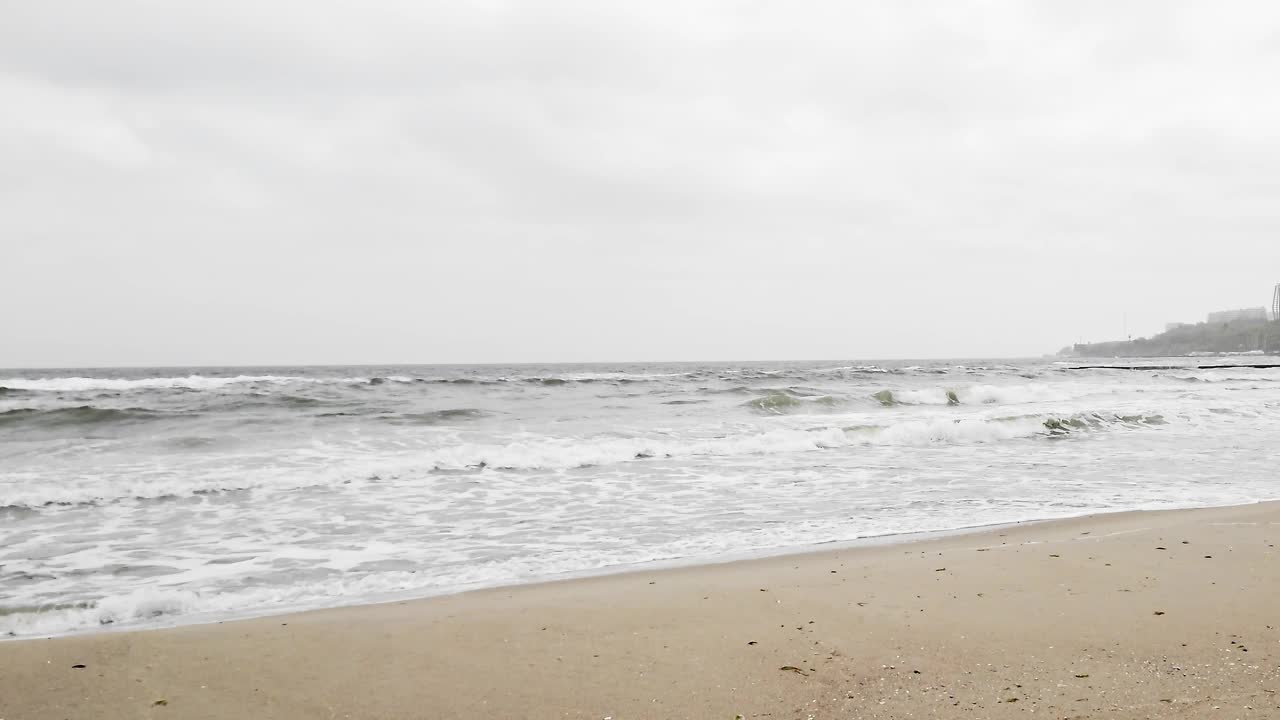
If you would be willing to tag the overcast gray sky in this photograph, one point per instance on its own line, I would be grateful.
(330, 182)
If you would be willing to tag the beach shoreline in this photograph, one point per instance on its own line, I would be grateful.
(169, 622)
(1133, 614)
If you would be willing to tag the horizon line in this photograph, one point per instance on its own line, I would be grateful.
(132, 366)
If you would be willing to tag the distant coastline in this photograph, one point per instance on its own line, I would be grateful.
(1246, 336)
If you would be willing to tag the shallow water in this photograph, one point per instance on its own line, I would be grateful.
(158, 496)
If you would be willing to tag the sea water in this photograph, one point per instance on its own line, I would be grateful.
(143, 497)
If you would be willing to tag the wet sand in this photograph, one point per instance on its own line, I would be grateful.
(1136, 615)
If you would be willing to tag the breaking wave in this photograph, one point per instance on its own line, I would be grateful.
(557, 454)
(776, 402)
(781, 402)
(801, 400)
(190, 382)
(568, 454)
(207, 382)
(973, 395)
(1095, 421)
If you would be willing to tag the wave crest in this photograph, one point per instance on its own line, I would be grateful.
(775, 403)
(439, 417)
(69, 416)
(971, 395)
(190, 382)
(560, 454)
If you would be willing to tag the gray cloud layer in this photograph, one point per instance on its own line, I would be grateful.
(245, 182)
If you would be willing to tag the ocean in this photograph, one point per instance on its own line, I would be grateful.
(146, 497)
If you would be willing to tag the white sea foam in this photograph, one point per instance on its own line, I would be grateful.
(1016, 394)
(946, 430)
(542, 454)
(29, 490)
(147, 605)
(189, 382)
(340, 466)
(989, 394)
(852, 368)
(1231, 375)
(341, 493)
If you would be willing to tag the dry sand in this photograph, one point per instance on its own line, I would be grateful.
(1138, 615)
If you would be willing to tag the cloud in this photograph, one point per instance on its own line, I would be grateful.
(460, 181)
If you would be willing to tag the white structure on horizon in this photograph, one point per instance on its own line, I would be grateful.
(1226, 316)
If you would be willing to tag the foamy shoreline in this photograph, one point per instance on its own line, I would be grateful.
(163, 605)
(1142, 614)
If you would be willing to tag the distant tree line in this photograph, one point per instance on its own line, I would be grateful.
(1229, 337)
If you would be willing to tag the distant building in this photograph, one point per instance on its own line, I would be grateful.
(1175, 326)
(1275, 304)
(1226, 316)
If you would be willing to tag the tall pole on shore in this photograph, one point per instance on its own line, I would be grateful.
(1275, 318)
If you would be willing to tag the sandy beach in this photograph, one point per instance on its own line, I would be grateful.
(1134, 615)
